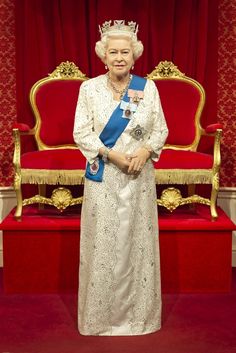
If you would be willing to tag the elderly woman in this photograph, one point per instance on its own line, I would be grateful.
(120, 128)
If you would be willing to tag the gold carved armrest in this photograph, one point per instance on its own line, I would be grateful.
(215, 130)
(19, 129)
(24, 129)
(212, 129)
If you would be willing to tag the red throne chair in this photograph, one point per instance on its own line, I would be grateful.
(57, 160)
(181, 162)
(38, 251)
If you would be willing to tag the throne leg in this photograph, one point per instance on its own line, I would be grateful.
(19, 205)
(214, 193)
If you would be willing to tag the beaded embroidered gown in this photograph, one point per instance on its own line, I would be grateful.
(119, 276)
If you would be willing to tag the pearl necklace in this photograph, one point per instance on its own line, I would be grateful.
(121, 92)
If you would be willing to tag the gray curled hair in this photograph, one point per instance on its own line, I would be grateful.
(101, 45)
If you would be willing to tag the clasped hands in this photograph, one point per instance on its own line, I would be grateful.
(130, 163)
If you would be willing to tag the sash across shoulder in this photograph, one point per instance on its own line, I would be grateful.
(113, 129)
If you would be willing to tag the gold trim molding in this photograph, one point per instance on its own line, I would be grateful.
(61, 198)
(171, 198)
(165, 69)
(67, 70)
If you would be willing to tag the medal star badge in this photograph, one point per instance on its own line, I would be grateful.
(135, 96)
(128, 109)
(138, 132)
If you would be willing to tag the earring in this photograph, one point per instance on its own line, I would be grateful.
(106, 67)
(132, 67)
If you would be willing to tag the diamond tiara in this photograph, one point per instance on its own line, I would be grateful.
(118, 25)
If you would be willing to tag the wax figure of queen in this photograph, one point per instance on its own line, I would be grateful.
(120, 128)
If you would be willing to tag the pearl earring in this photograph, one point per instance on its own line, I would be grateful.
(106, 67)
(132, 67)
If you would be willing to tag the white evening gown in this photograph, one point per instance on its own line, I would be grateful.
(119, 275)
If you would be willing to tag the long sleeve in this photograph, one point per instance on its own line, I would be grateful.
(84, 136)
(159, 132)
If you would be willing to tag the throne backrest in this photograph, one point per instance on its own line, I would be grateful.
(53, 100)
(182, 100)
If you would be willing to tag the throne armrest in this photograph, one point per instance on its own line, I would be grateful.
(212, 128)
(18, 130)
(215, 130)
(23, 129)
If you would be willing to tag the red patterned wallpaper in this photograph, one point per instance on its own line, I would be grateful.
(7, 89)
(226, 89)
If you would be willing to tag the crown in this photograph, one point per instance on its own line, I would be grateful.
(118, 25)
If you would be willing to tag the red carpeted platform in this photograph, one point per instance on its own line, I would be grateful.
(41, 253)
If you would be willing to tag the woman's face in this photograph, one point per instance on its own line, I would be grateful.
(119, 56)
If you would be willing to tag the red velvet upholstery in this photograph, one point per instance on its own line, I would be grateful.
(171, 159)
(56, 102)
(22, 127)
(179, 101)
(66, 159)
(57, 160)
(181, 163)
(213, 127)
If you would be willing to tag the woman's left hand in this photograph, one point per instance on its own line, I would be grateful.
(138, 160)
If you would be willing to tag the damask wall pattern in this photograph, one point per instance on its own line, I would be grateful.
(226, 89)
(7, 89)
(226, 99)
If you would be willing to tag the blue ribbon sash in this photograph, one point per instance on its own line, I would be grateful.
(113, 129)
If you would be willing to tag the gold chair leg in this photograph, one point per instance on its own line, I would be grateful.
(214, 193)
(19, 206)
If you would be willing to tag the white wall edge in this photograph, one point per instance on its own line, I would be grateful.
(228, 192)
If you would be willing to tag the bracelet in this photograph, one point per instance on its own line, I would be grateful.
(148, 148)
(105, 154)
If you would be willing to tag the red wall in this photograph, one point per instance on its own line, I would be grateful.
(7, 89)
(226, 98)
(226, 89)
